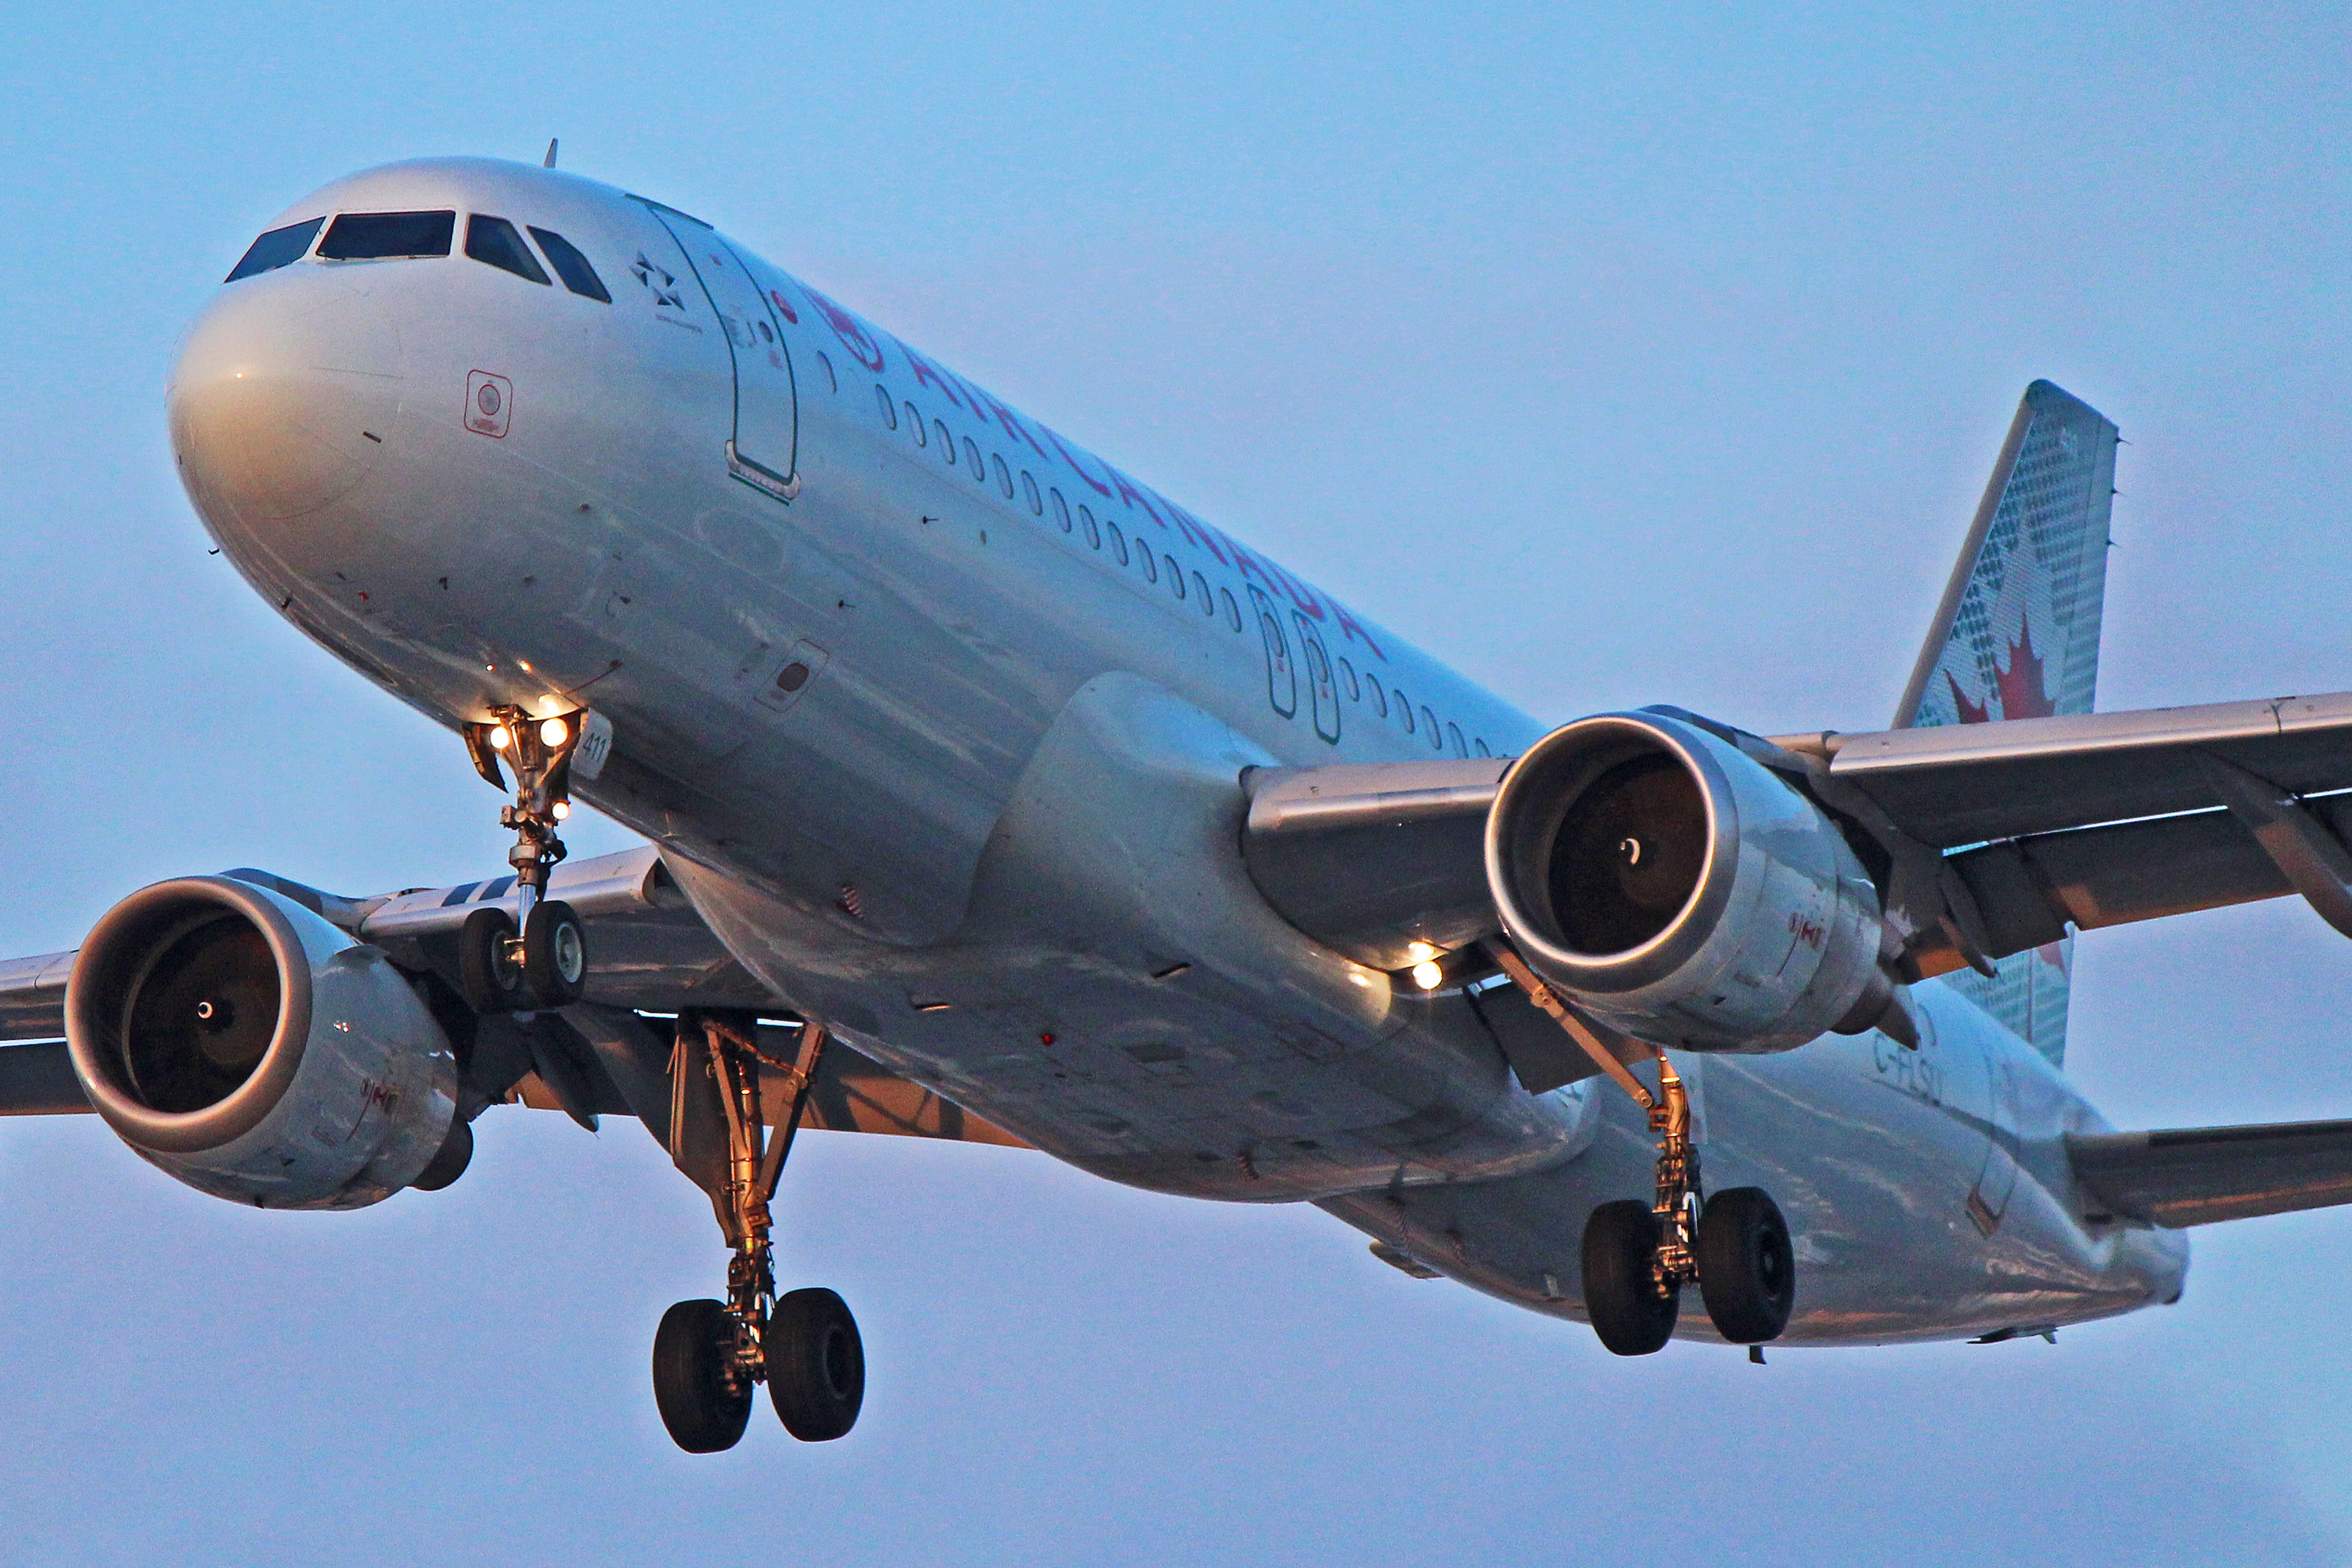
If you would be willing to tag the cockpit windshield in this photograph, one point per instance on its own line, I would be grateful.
(379, 237)
(277, 249)
(494, 241)
(578, 275)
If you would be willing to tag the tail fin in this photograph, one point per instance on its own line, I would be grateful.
(2017, 636)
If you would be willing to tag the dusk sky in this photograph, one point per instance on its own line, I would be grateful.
(1616, 354)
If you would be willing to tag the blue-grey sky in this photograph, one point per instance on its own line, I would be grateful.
(1620, 354)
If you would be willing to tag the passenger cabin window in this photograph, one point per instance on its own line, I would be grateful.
(1061, 511)
(1029, 493)
(497, 242)
(915, 423)
(1233, 611)
(1453, 734)
(1429, 721)
(1201, 595)
(385, 236)
(1348, 674)
(1150, 568)
(946, 442)
(277, 249)
(1482, 747)
(1004, 477)
(1093, 534)
(1175, 575)
(972, 457)
(1118, 542)
(891, 411)
(1380, 698)
(1404, 710)
(572, 267)
(831, 383)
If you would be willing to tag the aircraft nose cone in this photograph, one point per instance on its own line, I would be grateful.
(285, 389)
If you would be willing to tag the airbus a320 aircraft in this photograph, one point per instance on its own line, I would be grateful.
(990, 794)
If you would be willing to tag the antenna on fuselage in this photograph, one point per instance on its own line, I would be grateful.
(549, 164)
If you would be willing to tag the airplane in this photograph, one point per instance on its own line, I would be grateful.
(989, 795)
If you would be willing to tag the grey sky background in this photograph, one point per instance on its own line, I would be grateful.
(1618, 354)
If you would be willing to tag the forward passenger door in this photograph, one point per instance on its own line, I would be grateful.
(763, 448)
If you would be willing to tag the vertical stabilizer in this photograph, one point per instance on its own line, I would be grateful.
(2017, 636)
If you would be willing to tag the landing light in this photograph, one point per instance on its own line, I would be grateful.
(1428, 976)
(562, 809)
(500, 739)
(1420, 952)
(553, 733)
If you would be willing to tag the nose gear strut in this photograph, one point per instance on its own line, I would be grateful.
(538, 957)
(1637, 1259)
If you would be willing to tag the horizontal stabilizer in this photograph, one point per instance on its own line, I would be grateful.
(2198, 1175)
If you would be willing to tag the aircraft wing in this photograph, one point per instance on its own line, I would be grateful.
(652, 955)
(2095, 820)
(2203, 1174)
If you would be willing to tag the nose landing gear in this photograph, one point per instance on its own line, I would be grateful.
(708, 1355)
(1636, 1258)
(544, 961)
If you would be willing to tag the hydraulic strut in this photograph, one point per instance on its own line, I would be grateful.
(755, 1162)
(1678, 1198)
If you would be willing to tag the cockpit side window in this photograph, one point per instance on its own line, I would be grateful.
(277, 249)
(380, 236)
(494, 241)
(570, 266)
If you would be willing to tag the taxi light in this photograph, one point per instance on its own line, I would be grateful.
(500, 737)
(1420, 952)
(1428, 976)
(553, 733)
(562, 809)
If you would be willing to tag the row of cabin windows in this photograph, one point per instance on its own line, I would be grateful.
(1161, 569)
(408, 236)
(1366, 690)
(1156, 570)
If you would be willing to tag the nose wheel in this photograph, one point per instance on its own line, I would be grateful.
(542, 962)
(710, 1355)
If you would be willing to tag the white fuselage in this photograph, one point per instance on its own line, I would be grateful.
(941, 720)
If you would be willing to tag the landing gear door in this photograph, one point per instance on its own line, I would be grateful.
(762, 449)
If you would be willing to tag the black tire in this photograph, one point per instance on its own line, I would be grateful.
(1747, 1269)
(702, 1410)
(1621, 1294)
(816, 1365)
(487, 971)
(554, 954)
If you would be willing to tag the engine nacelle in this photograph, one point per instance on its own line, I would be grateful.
(1680, 890)
(258, 1053)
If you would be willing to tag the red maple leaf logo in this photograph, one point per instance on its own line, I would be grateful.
(2022, 695)
(2019, 687)
(1969, 712)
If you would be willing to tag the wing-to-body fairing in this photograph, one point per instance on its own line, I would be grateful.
(990, 795)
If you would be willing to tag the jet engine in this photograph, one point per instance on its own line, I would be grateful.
(1682, 892)
(256, 1052)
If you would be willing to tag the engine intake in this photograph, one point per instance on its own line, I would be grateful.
(1680, 890)
(255, 1051)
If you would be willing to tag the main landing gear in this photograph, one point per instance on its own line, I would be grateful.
(538, 957)
(708, 1355)
(1638, 1256)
